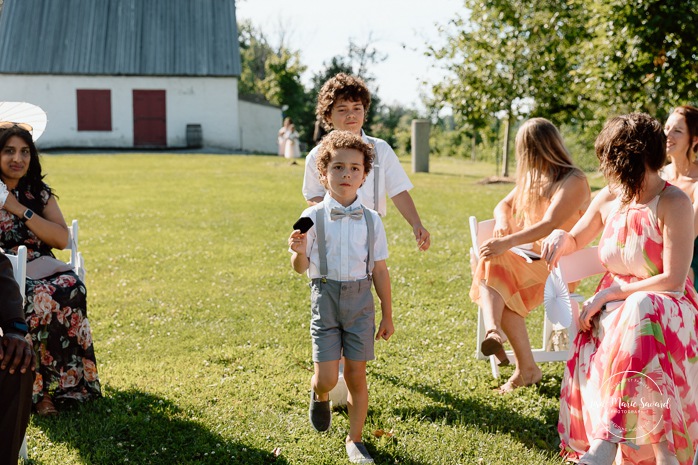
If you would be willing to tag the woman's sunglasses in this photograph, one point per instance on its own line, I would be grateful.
(10, 125)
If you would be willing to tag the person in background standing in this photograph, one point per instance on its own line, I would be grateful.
(293, 147)
(281, 138)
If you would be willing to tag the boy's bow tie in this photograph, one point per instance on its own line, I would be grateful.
(339, 213)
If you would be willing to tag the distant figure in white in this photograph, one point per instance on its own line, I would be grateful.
(281, 138)
(293, 146)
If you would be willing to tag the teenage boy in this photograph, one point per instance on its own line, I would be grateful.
(342, 105)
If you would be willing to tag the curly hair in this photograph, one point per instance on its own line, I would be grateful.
(627, 147)
(341, 140)
(341, 87)
(542, 162)
(690, 115)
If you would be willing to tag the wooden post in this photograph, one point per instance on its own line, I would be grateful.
(473, 146)
(505, 156)
(420, 145)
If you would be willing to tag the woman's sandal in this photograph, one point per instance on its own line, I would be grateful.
(492, 345)
(45, 408)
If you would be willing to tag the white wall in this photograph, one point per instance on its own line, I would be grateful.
(259, 127)
(209, 101)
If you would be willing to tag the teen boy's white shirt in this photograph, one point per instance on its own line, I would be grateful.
(392, 178)
(346, 240)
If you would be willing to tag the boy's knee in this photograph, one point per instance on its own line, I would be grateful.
(355, 374)
(325, 383)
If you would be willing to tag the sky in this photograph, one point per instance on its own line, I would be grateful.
(321, 29)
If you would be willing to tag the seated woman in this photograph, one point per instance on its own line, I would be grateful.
(681, 131)
(631, 377)
(56, 308)
(550, 193)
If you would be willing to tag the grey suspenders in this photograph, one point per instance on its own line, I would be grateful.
(376, 177)
(371, 243)
(322, 248)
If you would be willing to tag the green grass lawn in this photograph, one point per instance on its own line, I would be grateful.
(201, 326)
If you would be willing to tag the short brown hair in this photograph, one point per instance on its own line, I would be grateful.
(341, 87)
(341, 140)
(627, 147)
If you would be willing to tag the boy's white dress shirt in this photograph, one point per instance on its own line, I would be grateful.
(346, 239)
(392, 178)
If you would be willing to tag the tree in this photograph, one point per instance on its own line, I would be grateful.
(389, 120)
(275, 75)
(506, 59)
(643, 57)
(575, 62)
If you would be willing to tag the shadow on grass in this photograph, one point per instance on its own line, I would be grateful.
(384, 456)
(134, 427)
(451, 409)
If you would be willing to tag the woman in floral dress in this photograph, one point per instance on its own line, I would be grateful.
(56, 307)
(626, 394)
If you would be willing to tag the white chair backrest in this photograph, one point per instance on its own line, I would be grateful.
(581, 264)
(19, 267)
(480, 232)
(76, 260)
(73, 240)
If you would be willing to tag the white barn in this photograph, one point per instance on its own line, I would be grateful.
(132, 74)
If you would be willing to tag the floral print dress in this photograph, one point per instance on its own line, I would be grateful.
(56, 313)
(629, 379)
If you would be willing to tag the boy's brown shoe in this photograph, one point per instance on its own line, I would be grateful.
(320, 414)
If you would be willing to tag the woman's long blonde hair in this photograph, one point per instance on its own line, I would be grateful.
(542, 161)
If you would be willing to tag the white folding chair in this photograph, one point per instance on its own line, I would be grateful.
(76, 260)
(574, 267)
(19, 267)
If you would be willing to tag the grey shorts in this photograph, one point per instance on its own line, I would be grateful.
(342, 319)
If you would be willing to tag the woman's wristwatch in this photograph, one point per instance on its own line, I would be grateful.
(28, 215)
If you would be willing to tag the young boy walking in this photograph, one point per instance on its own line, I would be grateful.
(342, 104)
(343, 253)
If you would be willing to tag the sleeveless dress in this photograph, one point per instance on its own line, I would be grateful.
(629, 379)
(56, 313)
(521, 284)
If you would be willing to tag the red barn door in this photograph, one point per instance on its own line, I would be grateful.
(149, 118)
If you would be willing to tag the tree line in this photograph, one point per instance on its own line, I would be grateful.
(575, 62)
(274, 73)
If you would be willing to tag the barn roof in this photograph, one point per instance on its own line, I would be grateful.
(119, 37)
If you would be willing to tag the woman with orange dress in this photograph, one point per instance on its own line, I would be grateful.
(550, 193)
